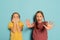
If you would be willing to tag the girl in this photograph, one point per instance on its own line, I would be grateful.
(39, 26)
(15, 27)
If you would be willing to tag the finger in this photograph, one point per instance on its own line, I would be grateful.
(50, 22)
(44, 25)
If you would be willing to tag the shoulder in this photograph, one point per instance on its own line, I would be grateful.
(21, 23)
(10, 22)
(45, 22)
(10, 25)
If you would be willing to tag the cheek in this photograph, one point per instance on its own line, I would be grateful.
(37, 18)
(16, 17)
(41, 18)
(13, 17)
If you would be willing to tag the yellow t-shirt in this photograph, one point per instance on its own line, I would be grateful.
(17, 35)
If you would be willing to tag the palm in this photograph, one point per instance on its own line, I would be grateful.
(28, 22)
(50, 23)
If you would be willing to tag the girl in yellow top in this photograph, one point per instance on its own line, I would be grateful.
(15, 27)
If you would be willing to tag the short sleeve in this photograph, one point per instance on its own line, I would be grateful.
(10, 25)
(45, 23)
(21, 24)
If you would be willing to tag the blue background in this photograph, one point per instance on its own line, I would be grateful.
(27, 9)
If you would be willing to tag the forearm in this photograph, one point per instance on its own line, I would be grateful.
(30, 25)
(47, 27)
(13, 29)
(19, 28)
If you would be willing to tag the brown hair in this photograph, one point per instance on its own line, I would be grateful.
(13, 15)
(35, 20)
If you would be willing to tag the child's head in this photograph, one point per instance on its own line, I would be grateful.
(15, 15)
(38, 17)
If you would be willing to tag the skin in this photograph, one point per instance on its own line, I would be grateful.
(15, 21)
(39, 18)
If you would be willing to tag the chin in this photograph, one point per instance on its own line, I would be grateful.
(39, 21)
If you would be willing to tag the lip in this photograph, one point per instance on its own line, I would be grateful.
(38, 20)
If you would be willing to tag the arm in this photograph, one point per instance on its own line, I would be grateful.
(48, 26)
(19, 28)
(13, 29)
(19, 25)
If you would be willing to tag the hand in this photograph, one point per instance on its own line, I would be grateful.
(28, 23)
(48, 25)
(15, 20)
(13, 31)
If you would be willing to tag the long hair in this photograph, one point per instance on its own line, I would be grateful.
(13, 15)
(35, 20)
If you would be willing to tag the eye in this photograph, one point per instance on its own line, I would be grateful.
(37, 16)
(40, 16)
(13, 16)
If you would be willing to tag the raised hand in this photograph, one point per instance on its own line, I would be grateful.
(28, 23)
(48, 25)
(15, 20)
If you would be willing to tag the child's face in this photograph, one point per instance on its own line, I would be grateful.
(15, 16)
(39, 17)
